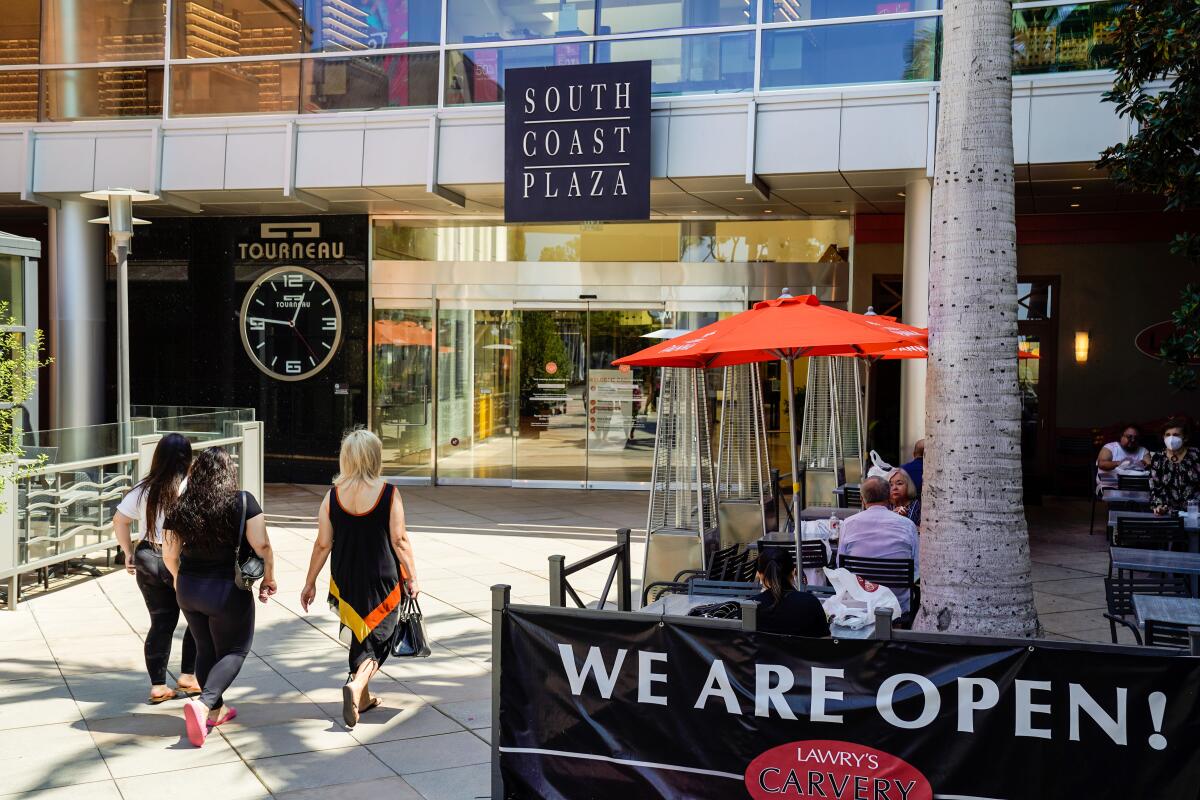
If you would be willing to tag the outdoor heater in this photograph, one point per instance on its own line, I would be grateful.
(120, 221)
(743, 465)
(681, 528)
(832, 435)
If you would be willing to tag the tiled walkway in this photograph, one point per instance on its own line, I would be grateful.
(73, 718)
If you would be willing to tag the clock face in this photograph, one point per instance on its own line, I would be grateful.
(291, 323)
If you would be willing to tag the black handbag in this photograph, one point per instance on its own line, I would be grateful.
(410, 639)
(246, 572)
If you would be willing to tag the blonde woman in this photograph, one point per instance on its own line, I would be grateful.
(361, 523)
(904, 498)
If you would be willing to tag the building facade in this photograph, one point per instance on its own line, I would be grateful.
(792, 145)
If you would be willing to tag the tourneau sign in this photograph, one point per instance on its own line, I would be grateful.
(577, 143)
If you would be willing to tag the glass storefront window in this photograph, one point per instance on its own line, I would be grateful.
(103, 93)
(12, 289)
(799, 10)
(717, 62)
(20, 41)
(469, 21)
(630, 16)
(75, 32)
(477, 76)
(1064, 38)
(403, 415)
(248, 88)
(230, 28)
(865, 52)
(363, 83)
(19, 95)
(793, 241)
(20, 32)
(403, 240)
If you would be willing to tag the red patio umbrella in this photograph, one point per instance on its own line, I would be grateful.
(787, 328)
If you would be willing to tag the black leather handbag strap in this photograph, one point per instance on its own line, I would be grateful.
(241, 536)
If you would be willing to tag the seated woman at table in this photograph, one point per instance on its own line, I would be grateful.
(1175, 472)
(782, 608)
(903, 498)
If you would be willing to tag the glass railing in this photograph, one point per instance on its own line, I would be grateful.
(68, 481)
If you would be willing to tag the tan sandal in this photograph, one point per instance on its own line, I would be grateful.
(155, 699)
(349, 706)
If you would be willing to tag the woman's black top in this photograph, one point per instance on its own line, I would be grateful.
(212, 556)
(1174, 483)
(364, 573)
(799, 613)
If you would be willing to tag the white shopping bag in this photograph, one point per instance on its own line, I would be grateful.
(855, 601)
(879, 467)
(816, 530)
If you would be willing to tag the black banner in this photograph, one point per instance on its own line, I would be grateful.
(577, 143)
(626, 708)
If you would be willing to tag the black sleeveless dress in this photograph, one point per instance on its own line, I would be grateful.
(364, 578)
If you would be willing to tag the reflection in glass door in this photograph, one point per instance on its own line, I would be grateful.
(476, 394)
(402, 414)
(622, 401)
(552, 354)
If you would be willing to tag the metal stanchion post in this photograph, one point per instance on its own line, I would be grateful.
(500, 597)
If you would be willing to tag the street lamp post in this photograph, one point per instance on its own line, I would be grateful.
(120, 221)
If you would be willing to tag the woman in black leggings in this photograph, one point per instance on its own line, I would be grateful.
(203, 534)
(147, 503)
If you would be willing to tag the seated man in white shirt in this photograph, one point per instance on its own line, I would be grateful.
(878, 532)
(1125, 453)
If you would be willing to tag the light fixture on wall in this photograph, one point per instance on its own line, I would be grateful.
(1082, 345)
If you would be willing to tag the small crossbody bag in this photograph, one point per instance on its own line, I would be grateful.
(249, 570)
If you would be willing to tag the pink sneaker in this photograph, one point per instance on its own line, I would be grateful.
(195, 718)
(230, 713)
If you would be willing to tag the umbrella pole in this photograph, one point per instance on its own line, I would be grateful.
(787, 373)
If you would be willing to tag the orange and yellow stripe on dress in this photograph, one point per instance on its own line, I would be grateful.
(361, 627)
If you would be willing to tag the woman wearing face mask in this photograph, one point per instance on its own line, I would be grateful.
(1175, 472)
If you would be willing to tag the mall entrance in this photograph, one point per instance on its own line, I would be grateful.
(516, 394)
(492, 346)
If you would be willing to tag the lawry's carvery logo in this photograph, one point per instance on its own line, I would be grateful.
(290, 240)
(836, 771)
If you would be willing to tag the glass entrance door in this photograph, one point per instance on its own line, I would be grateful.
(622, 401)
(551, 395)
(477, 380)
(402, 411)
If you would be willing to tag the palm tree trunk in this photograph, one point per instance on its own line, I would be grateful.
(975, 571)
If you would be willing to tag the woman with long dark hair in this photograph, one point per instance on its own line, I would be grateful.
(147, 503)
(202, 548)
(782, 608)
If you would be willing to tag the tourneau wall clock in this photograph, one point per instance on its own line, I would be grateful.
(291, 323)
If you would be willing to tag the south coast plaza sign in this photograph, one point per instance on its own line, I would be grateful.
(626, 708)
(577, 143)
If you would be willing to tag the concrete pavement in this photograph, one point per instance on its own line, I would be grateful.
(74, 722)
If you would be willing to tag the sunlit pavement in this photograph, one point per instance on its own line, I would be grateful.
(74, 722)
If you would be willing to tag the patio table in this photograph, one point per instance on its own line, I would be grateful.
(812, 513)
(1137, 496)
(678, 605)
(1175, 610)
(1191, 526)
(1137, 559)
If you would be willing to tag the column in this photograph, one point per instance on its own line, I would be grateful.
(918, 197)
(77, 332)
